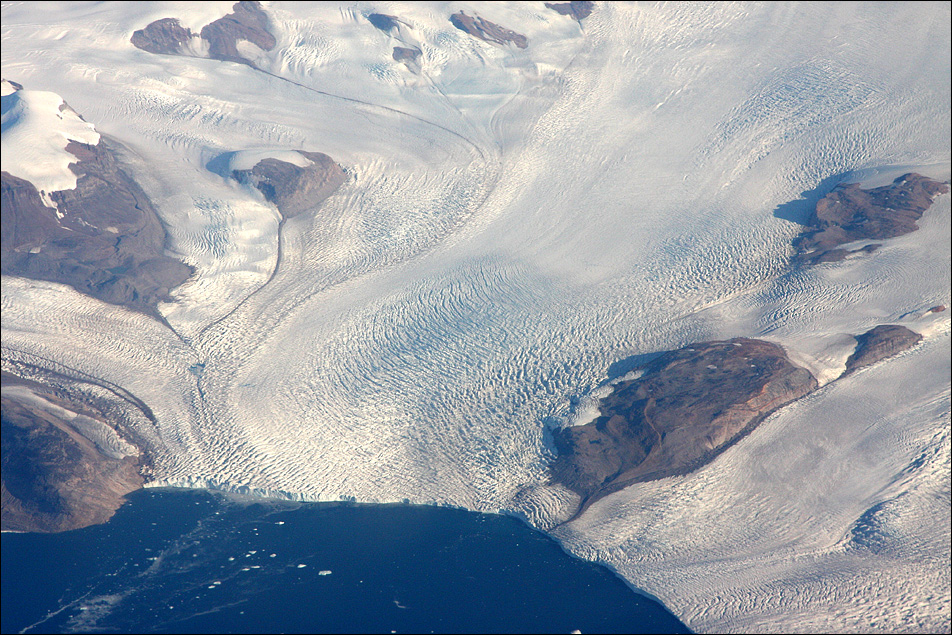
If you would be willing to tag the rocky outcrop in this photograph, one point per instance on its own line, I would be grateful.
(688, 406)
(248, 22)
(410, 53)
(163, 37)
(59, 469)
(576, 9)
(487, 31)
(407, 55)
(291, 188)
(384, 22)
(879, 343)
(850, 213)
(103, 238)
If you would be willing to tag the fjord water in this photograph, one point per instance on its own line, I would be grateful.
(196, 561)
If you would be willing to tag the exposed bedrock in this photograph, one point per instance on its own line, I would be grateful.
(487, 31)
(246, 23)
(164, 37)
(103, 238)
(576, 9)
(384, 22)
(294, 189)
(850, 213)
(63, 466)
(407, 55)
(879, 343)
(687, 407)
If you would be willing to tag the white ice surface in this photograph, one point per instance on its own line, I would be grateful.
(247, 159)
(515, 222)
(37, 127)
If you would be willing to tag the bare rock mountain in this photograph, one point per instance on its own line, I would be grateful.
(163, 37)
(407, 55)
(60, 470)
(879, 343)
(384, 22)
(576, 9)
(410, 52)
(688, 406)
(103, 238)
(247, 22)
(850, 213)
(487, 31)
(291, 188)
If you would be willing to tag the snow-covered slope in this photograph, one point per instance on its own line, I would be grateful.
(37, 127)
(515, 222)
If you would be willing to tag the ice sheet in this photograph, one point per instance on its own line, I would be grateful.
(517, 221)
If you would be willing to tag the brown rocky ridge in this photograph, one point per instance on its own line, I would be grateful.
(389, 24)
(879, 343)
(291, 188)
(404, 54)
(384, 22)
(248, 22)
(103, 239)
(62, 464)
(487, 31)
(163, 37)
(576, 9)
(850, 213)
(687, 407)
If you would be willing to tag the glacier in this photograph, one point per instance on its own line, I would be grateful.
(517, 221)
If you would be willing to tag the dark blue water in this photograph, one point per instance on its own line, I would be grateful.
(197, 562)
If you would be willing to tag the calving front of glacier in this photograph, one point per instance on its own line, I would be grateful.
(515, 221)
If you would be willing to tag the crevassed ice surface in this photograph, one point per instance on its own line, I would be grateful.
(514, 223)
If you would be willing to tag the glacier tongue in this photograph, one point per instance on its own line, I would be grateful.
(517, 221)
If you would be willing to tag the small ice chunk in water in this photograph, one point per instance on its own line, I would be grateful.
(324, 572)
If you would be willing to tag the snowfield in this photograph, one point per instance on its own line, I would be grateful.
(515, 223)
(37, 127)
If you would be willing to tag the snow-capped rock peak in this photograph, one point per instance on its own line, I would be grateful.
(37, 127)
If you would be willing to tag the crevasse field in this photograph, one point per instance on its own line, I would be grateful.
(516, 222)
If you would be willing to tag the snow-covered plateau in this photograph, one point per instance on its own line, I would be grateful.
(516, 221)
